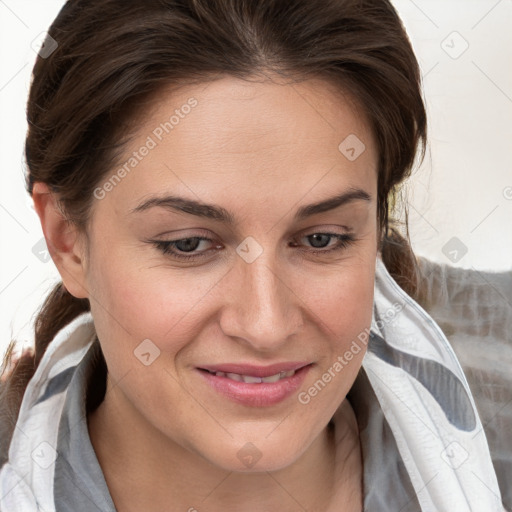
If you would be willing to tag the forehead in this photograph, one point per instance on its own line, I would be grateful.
(234, 137)
(235, 112)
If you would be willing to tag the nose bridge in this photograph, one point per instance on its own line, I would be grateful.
(264, 310)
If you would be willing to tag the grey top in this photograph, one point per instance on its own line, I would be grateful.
(79, 483)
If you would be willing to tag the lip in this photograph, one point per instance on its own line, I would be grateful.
(255, 371)
(261, 394)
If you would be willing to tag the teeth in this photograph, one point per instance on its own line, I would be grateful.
(272, 378)
(233, 376)
(249, 379)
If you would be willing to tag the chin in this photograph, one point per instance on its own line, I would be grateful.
(256, 457)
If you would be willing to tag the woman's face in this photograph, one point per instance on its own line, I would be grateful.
(244, 162)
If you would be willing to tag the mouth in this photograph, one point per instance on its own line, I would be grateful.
(252, 390)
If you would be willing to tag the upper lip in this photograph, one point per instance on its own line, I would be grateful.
(255, 371)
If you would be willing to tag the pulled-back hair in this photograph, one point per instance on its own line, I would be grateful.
(114, 56)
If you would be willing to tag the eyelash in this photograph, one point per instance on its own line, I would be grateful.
(344, 241)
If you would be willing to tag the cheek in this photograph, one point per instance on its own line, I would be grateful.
(342, 302)
(343, 313)
(341, 297)
(132, 303)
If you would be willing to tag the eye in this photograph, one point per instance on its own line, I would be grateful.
(183, 246)
(320, 240)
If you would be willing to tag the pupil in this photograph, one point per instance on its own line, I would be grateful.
(186, 245)
(316, 237)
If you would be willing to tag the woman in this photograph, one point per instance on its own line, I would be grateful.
(212, 180)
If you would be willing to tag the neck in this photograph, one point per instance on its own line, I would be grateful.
(328, 472)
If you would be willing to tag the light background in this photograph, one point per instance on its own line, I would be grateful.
(460, 199)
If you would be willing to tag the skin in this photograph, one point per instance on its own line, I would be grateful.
(162, 436)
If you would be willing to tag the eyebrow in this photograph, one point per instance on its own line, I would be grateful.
(218, 213)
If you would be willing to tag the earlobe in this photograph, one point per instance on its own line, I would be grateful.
(62, 239)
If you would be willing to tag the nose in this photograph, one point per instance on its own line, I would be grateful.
(263, 309)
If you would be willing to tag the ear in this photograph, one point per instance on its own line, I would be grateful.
(63, 241)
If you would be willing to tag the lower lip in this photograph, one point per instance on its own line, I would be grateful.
(259, 394)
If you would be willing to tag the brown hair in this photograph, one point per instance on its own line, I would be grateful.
(114, 56)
